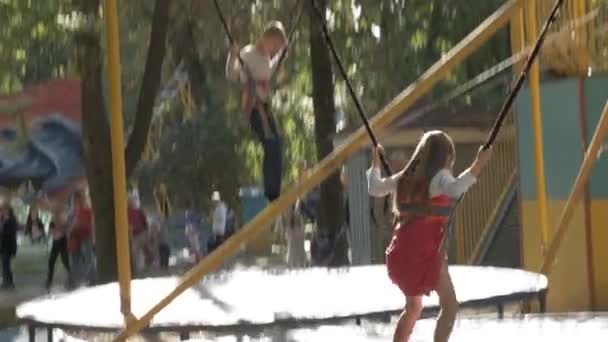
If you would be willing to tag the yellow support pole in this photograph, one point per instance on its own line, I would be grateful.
(537, 124)
(332, 162)
(577, 190)
(518, 38)
(581, 44)
(594, 56)
(118, 160)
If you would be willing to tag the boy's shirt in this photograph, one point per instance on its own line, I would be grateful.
(219, 219)
(261, 67)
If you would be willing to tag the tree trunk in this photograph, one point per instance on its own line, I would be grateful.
(387, 22)
(431, 52)
(96, 130)
(184, 49)
(149, 85)
(96, 142)
(331, 210)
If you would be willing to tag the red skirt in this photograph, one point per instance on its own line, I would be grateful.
(412, 258)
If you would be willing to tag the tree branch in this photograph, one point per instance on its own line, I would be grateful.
(150, 85)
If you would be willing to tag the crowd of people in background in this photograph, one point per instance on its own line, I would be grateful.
(70, 235)
(69, 231)
(67, 225)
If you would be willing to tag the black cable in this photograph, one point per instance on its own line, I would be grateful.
(233, 42)
(250, 80)
(524, 72)
(330, 43)
(220, 14)
(506, 107)
(294, 27)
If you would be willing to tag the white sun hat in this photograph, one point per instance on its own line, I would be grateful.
(215, 196)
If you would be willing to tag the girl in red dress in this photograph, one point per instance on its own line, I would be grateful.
(423, 198)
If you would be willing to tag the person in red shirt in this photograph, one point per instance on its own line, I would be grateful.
(81, 240)
(138, 225)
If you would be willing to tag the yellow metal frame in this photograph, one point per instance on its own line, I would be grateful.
(118, 161)
(512, 9)
(459, 136)
(328, 165)
(475, 217)
(577, 191)
(582, 52)
(185, 95)
(537, 123)
(576, 54)
(475, 255)
(518, 38)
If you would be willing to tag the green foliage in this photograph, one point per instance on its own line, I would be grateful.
(33, 45)
(391, 42)
(384, 45)
(197, 157)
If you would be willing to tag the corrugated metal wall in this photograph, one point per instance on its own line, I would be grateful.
(358, 201)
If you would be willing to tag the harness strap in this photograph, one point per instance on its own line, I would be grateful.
(262, 107)
(406, 209)
(264, 110)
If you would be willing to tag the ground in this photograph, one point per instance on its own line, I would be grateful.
(469, 327)
(30, 271)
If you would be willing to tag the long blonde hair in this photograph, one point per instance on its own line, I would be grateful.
(433, 153)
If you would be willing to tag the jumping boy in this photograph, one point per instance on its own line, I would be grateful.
(261, 62)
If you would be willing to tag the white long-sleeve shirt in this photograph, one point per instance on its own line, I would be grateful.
(261, 67)
(443, 183)
(219, 219)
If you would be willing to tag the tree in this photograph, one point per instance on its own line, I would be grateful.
(376, 81)
(187, 145)
(384, 45)
(95, 125)
(33, 45)
(150, 85)
(330, 220)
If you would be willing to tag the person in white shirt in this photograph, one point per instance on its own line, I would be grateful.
(193, 242)
(261, 62)
(423, 194)
(295, 231)
(218, 227)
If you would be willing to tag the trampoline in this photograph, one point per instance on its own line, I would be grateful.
(580, 326)
(248, 300)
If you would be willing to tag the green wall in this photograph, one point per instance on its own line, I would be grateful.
(596, 95)
(561, 132)
(562, 136)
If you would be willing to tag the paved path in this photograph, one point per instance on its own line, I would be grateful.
(29, 270)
